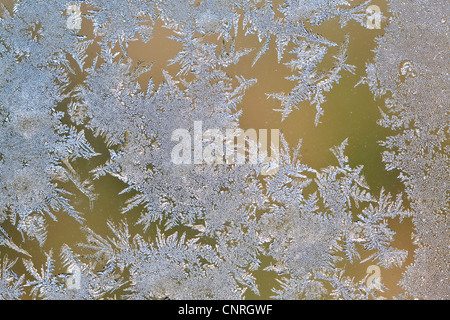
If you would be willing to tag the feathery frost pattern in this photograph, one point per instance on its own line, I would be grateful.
(73, 96)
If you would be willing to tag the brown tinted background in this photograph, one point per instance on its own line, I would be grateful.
(349, 112)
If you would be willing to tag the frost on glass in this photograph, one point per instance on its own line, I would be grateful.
(411, 72)
(36, 147)
(208, 231)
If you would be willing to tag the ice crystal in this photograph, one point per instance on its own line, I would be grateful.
(36, 146)
(11, 286)
(311, 85)
(413, 73)
(208, 230)
(309, 234)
